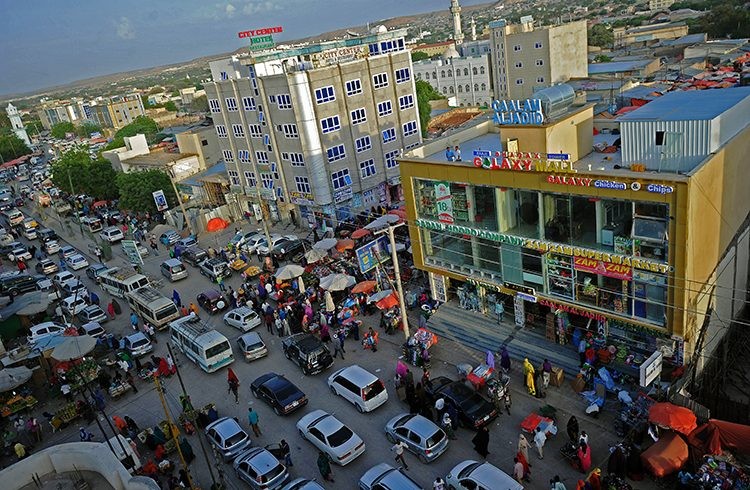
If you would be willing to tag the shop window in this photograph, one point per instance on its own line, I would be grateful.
(650, 297)
(512, 266)
(460, 202)
(425, 194)
(531, 261)
(618, 221)
(560, 275)
(520, 213)
(557, 218)
(485, 208)
(583, 221)
(489, 256)
(651, 231)
(587, 288)
(448, 250)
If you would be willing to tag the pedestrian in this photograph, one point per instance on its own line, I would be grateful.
(116, 306)
(134, 321)
(234, 384)
(85, 435)
(523, 446)
(184, 479)
(286, 452)
(268, 316)
(252, 419)
(98, 254)
(131, 381)
(438, 484)
(132, 426)
(584, 456)
(518, 472)
(500, 311)
(583, 437)
(505, 360)
(481, 440)
(20, 450)
(220, 282)
(35, 429)
(449, 155)
(439, 407)
(398, 448)
(447, 424)
(528, 376)
(539, 439)
(342, 338)
(21, 265)
(287, 328)
(63, 265)
(337, 347)
(582, 352)
(556, 484)
(154, 246)
(546, 373)
(176, 298)
(457, 153)
(572, 429)
(148, 329)
(324, 466)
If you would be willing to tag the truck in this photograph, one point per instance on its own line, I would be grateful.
(62, 207)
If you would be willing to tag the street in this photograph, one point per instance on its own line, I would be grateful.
(146, 408)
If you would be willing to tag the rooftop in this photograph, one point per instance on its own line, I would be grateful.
(157, 159)
(689, 105)
(617, 66)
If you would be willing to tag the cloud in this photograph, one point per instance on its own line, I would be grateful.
(255, 7)
(125, 29)
(230, 9)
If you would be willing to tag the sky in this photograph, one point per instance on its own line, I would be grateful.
(51, 42)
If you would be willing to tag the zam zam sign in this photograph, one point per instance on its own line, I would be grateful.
(519, 112)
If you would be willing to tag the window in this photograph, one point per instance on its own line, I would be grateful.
(410, 128)
(275, 170)
(481, 70)
(451, 89)
(261, 157)
(243, 156)
(224, 76)
(335, 153)
(539, 62)
(539, 79)
(389, 135)
(302, 184)
(434, 75)
(256, 131)
(517, 47)
(403, 75)
(248, 103)
(474, 70)
(380, 80)
(460, 89)
(221, 131)
(390, 159)
(406, 102)
(519, 64)
(385, 108)
(290, 130)
(250, 179)
(341, 179)
(519, 81)
(228, 156)
(297, 159)
(367, 168)
(231, 104)
(325, 94)
(483, 87)
(538, 45)
(267, 180)
(234, 177)
(214, 105)
(468, 88)
(362, 144)
(353, 87)
(466, 72)
(330, 124)
(238, 130)
(284, 101)
(358, 116)
(450, 73)
(476, 87)
(272, 99)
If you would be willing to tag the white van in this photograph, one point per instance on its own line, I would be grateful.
(151, 305)
(112, 234)
(359, 386)
(94, 225)
(200, 343)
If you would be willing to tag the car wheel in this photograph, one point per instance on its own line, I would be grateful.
(333, 390)
(286, 354)
(226, 322)
(254, 392)
(13, 293)
(390, 438)
(360, 408)
(277, 411)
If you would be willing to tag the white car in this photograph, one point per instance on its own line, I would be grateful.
(72, 305)
(332, 437)
(66, 251)
(73, 287)
(30, 233)
(252, 243)
(62, 277)
(45, 330)
(359, 386)
(384, 476)
(21, 253)
(77, 262)
(262, 249)
(475, 474)
(51, 247)
(112, 234)
(243, 318)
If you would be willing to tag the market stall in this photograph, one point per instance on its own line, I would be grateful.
(416, 348)
(666, 456)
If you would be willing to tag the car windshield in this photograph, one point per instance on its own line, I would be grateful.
(218, 349)
(256, 345)
(373, 390)
(274, 472)
(166, 312)
(140, 343)
(340, 436)
(467, 471)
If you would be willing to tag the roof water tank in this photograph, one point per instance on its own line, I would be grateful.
(556, 99)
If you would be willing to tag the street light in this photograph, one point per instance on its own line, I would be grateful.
(397, 273)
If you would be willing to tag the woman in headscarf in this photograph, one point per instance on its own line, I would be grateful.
(528, 374)
(481, 441)
(523, 447)
(584, 457)
(505, 360)
(176, 298)
(572, 428)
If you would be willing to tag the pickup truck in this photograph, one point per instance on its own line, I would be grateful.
(62, 207)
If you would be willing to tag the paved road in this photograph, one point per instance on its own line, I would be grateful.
(146, 409)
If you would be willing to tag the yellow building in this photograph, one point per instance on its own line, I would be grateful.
(631, 242)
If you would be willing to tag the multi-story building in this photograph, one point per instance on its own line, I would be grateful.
(317, 129)
(642, 243)
(115, 112)
(201, 141)
(526, 58)
(659, 4)
(467, 79)
(54, 112)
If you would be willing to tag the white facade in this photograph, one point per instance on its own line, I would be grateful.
(17, 124)
(466, 79)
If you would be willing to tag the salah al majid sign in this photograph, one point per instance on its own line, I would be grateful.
(519, 112)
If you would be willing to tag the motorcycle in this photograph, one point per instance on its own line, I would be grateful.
(499, 392)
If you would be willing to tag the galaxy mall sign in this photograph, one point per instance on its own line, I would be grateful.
(524, 161)
(520, 112)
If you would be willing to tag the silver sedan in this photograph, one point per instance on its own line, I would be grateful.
(332, 437)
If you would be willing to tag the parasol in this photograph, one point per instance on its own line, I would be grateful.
(74, 348)
(325, 244)
(362, 232)
(374, 298)
(300, 283)
(364, 287)
(289, 271)
(315, 255)
(388, 302)
(337, 282)
(672, 416)
(216, 224)
(345, 244)
(381, 222)
(398, 212)
(12, 378)
(329, 302)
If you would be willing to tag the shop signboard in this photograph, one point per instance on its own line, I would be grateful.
(650, 369)
(519, 112)
(130, 247)
(519, 288)
(558, 163)
(616, 271)
(160, 200)
(439, 287)
(571, 309)
(444, 202)
(341, 55)
(526, 297)
(519, 311)
(343, 195)
(368, 255)
(302, 198)
(260, 32)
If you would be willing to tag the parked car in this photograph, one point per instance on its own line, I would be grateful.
(30, 233)
(253, 242)
(61, 277)
(173, 269)
(44, 330)
(187, 242)
(212, 301)
(473, 409)
(308, 352)
(92, 313)
(112, 234)
(74, 287)
(51, 247)
(93, 329)
(239, 239)
(252, 346)
(169, 237)
(15, 283)
(21, 253)
(46, 235)
(215, 268)
(303, 484)
(292, 250)
(95, 270)
(229, 439)
(66, 251)
(46, 286)
(358, 386)
(422, 437)
(243, 318)
(46, 267)
(193, 256)
(275, 240)
(475, 474)
(280, 393)
(137, 344)
(332, 437)
(385, 477)
(71, 305)
(260, 469)
(77, 262)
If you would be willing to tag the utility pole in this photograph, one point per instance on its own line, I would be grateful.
(170, 173)
(397, 273)
(173, 432)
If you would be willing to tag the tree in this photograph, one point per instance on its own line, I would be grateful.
(170, 106)
(136, 190)
(419, 56)
(140, 125)
(199, 104)
(12, 147)
(602, 58)
(86, 129)
(727, 20)
(601, 35)
(425, 93)
(61, 129)
(95, 178)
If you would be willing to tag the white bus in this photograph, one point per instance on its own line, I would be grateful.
(200, 343)
(118, 282)
(151, 305)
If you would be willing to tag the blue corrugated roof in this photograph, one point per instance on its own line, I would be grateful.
(689, 105)
(617, 66)
(219, 168)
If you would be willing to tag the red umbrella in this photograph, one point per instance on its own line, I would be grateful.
(99, 204)
(362, 232)
(216, 224)
(345, 244)
(364, 287)
(387, 302)
(673, 416)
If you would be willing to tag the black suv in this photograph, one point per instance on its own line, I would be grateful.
(14, 283)
(292, 250)
(193, 256)
(46, 235)
(308, 352)
(473, 409)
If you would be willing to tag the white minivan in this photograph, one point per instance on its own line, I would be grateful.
(112, 234)
(359, 386)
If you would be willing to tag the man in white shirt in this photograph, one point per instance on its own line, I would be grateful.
(539, 439)
(398, 448)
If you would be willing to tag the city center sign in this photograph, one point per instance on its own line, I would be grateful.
(260, 32)
(520, 112)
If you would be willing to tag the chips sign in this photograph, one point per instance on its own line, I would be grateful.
(260, 38)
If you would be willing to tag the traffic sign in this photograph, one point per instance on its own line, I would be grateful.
(130, 247)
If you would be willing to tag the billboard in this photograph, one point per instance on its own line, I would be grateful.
(160, 200)
(368, 255)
